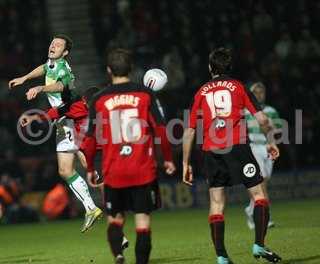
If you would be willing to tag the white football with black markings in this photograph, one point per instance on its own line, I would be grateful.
(155, 79)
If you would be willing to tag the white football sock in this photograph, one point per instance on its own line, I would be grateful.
(81, 191)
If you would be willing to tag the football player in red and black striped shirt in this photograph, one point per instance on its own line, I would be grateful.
(125, 120)
(228, 159)
(77, 111)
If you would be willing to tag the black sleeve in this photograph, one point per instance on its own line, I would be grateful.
(64, 108)
(155, 111)
(253, 99)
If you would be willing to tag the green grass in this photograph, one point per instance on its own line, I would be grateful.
(178, 237)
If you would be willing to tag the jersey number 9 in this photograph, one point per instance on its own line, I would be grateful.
(220, 103)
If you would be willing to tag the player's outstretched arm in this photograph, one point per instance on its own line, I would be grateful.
(89, 150)
(26, 120)
(34, 91)
(160, 132)
(188, 137)
(51, 114)
(37, 72)
(268, 129)
(264, 122)
(157, 122)
(88, 146)
(56, 87)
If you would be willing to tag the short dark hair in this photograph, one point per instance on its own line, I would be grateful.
(120, 62)
(220, 61)
(257, 85)
(90, 92)
(67, 39)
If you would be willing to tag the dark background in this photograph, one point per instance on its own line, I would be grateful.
(276, 42)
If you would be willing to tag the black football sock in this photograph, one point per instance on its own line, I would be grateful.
(143, 246)
(261, 218)
(115, 237)
(217, 234)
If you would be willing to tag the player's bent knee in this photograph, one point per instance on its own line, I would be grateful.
(216, 208)
(257, 192)
(258, 195)
(217, 204)
(217, 200)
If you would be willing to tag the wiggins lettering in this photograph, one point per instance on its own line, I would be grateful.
(123, 99)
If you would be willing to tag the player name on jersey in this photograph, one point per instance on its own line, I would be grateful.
(220, 103)
(123, 99)
(229, 85)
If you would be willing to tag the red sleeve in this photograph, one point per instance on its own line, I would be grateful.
(250, 101)
(161, 132)
(51, 113)
(90, 142)
(74, 111)
(77, 110)
(89, 149)
(195, 111)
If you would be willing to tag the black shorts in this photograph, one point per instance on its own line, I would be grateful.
(237, 166)
(138, 199)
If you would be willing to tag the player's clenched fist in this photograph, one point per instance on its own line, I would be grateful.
(187, 174)
(17, 81)
(33, 92)
(25, 120)
(273, 151)
(170, 167)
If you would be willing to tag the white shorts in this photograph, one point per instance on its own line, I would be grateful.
(261, 154)
(65, 139)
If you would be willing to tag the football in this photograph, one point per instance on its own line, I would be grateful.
(155, 79)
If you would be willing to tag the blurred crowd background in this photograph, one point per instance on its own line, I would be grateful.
(276, 42)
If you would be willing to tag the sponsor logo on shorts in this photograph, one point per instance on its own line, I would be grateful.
(109, 205)
(249, 170)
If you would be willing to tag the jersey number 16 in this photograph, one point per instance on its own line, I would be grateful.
(125, 125)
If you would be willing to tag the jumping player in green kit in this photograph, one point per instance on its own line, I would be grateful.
(60, 89)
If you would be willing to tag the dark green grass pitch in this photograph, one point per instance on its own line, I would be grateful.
(178, 237)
